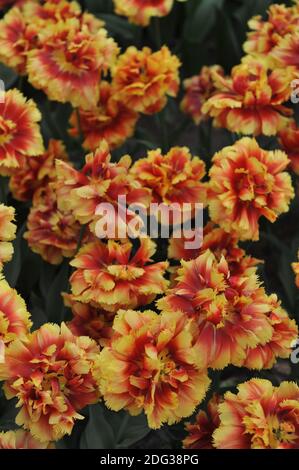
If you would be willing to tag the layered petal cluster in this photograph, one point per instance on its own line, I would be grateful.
(259, 416)
(36, 173)
(89, 321)
(289, 141)
(141, 11)
(172, 178)
(58, 11)
(143, 79)
(247, 182)
(233, 313)
(151, 366)
(198, 89)
(200, 433)
(99, 181)
(17, 38)
(21, 439)
(14, 318)
(284, 335)
(250, 101)
(111, 276)
(110, 120)
(52, 232)
(20, 136)
(54, 11)
(70, 62)
(286, 52)
(21, 26)
(50, 373)
(7, 233)
(265, 35)
(219, 242)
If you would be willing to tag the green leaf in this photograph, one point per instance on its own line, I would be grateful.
(201, 18)
(13, 268)
(132, 430)
(30, 269)
(230, 44)
(107, 429)
(98, 433)
(246, 10)
(286, 276)
(4, 189)
(120, 27)
(8, 76)
(48, 273)
(37, 311)
(55, 309)
(8, 415)
(95, 6)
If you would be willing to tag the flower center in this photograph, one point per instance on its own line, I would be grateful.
(4, 323)
(214, 305)
(50, 378)
(125, 272)
(7, 128)
(252, 185)
(63, 60)
(268, 431)
(167, 365)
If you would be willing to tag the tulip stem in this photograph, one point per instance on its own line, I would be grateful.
(182, 127)
(3, 186)
(161, 125)
(21, 82)
(81, 236)
(81, 137)
(157, 32)
(123, 427)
